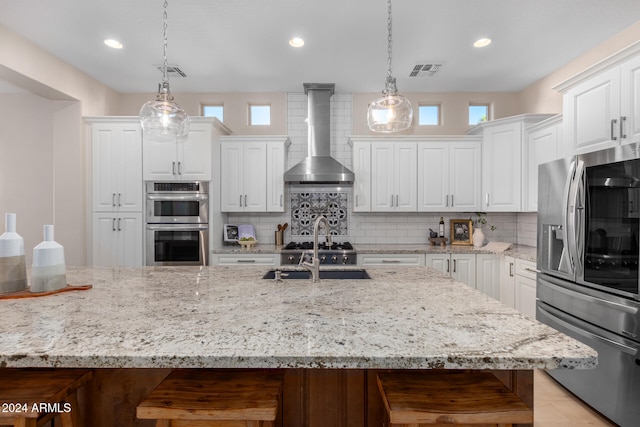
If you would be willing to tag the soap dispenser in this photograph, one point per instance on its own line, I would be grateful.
(13, 270)
(48, 272)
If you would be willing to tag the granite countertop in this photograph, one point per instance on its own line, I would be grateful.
(222, 317)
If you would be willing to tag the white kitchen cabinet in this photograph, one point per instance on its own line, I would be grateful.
(449, 175)
(117, 239)
(488, 275)
(187, 158)
(518, 284)
(461, 267)
(507, 281)
(394, 176)
(543, 144)
(525, 287)
(243, 260)
(600, 104)
(362, 171)
(391, 259)
(276, 166)
(251, 173)
(503, 161)
(116, 150)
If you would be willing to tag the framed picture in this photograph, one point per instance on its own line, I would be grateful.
(230, 233)
(461, 231)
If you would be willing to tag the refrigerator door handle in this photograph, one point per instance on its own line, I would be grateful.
(576, 329)
(571, 212)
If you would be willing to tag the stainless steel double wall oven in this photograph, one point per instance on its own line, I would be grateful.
(588, 285)
(177, 223)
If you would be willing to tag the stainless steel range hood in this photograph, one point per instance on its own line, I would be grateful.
(319, 167)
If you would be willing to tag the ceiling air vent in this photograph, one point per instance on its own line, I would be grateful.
(173, 71)
(425, 70)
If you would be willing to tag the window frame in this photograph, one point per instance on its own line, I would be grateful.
(250, 114)
(204, 106)
(487, 105)
(438, 107)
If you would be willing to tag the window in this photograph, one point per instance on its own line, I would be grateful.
(216, 111)
(478, 113)
(259, 115)
(429, 115)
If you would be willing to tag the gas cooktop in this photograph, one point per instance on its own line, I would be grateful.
(303, 246)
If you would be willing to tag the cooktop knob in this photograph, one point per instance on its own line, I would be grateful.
(334, 259)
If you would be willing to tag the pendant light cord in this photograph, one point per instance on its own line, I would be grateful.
(164, 53)
(390, 84)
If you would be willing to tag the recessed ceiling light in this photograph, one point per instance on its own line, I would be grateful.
(482, 42)
(113, 43)
(296, 42)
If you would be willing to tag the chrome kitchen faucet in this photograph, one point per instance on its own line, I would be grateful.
(314, 265)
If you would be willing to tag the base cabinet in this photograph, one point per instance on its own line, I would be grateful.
(461, 267)
(390, 259)
(488, 275)
(117, 239)
(245, 259)
(518, 284)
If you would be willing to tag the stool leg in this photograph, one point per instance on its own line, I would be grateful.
(71, 419)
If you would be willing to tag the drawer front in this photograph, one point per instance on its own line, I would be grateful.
(391, 259)
(245, 260)
(525, 269)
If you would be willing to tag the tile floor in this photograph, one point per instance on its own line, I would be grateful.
(556, 407)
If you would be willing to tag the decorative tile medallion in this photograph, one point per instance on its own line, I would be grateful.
(306, 206)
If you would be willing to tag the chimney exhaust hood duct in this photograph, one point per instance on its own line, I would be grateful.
(319, 167)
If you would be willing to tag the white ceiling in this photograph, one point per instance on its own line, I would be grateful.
(242, 45)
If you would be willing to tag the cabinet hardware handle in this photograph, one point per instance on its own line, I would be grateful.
(391, 261)
(119, 229)
(447, 205)
(173, 168)
(241, 200)
(245, 260)
(487, 199)
(281, 200)
(613, 124)
(113, 224)
(119, 197)
(392, 200)
(113, 200)
(179, 168)
(245, 200)
(452, 200)
(533, 270)
(448, 265)
(622, 120)
(510, 269)
(454, 265)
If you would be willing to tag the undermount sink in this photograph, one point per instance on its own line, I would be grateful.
(324, 274)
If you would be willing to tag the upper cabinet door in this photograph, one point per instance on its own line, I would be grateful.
(406, 177)
(231, 175)
(194, 154)
(383, 177)
(362, 172)
(465, 176)
(592, 111)
(543, 145)
(160, 161)
(501, 168)
(433, 177)
(254, 177)
(116, 166)
(276, 166)
(630, 102)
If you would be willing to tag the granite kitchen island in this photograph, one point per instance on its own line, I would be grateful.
(330, 337)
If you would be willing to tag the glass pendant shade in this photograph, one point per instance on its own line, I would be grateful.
(390, 113)
(163, 117)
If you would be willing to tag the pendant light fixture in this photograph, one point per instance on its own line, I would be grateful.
(391, 112)
(162, 116)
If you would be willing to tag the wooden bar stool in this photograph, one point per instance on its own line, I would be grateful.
(413, 399)
(38, 395)
(215, 398)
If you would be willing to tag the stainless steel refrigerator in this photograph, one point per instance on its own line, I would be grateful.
(588, 285)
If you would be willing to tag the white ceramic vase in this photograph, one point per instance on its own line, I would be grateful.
(478, 237)
(48, 272)
(13, 269)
